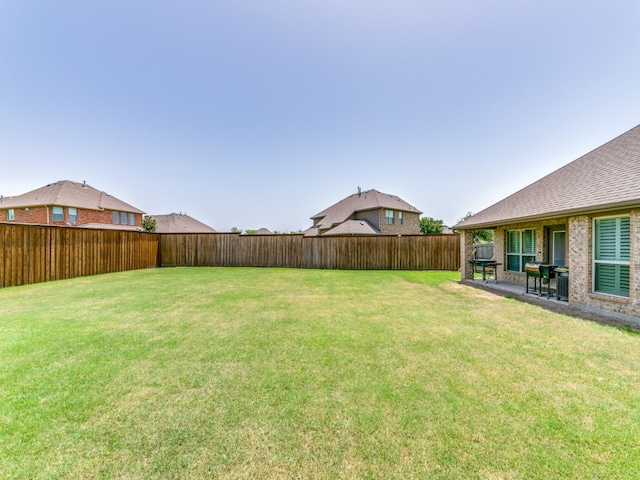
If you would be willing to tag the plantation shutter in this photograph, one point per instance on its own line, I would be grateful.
(529, 242)
(611, 255)
(528, 247)
(513, 250)
(625, 239)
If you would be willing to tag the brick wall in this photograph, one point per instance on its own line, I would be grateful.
(466, 253)
(499, 248)
(44, 216)
(410, 225)
(582, 282)
(579, 259)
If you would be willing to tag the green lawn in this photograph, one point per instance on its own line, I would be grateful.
(276, 373)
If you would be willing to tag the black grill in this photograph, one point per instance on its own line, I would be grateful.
(541, 274)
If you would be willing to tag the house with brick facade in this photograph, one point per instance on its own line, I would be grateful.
(584, 216)
(73, 204)
(367, 213)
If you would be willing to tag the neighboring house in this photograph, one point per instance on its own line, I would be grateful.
(584, 216)
(367, 213)
(67, 203)
(180, 223)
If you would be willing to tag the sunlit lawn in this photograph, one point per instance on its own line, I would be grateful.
(276, 373)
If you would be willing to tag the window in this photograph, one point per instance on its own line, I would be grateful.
(58, 214)
(11, 214)
(521, 248)
(73, 214)
(400, 218)
(389, 217)
(559, 248)
(611, 253)
(123, 218)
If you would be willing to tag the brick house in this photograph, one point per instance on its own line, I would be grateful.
(584, 216)
(367, 213)
(67, 203)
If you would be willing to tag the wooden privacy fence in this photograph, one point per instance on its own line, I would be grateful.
(407, 252)
(32, 254)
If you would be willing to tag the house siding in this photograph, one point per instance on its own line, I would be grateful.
(371, 216)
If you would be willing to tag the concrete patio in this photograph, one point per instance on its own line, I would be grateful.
(518, 292)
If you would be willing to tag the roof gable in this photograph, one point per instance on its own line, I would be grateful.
(605, 178)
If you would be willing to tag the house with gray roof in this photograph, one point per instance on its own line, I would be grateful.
(584, 216)
(180, 223)
(67, 203)
(367, 213)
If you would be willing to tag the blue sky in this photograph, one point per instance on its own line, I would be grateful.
(254, 114)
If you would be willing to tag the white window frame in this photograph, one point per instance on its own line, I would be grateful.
(620, 261)
(11, 215)
(523, 257)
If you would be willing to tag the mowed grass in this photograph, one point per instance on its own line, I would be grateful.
(275, 373)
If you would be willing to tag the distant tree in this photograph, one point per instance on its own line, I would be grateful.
(431, 225)
(250, 232)
(149, 224)
(479, 236)
(235, 230)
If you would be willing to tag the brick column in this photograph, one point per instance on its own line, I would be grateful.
(579, 259)
(466, 252)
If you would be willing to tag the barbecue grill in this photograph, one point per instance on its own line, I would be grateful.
(487, 265)
(540, 273)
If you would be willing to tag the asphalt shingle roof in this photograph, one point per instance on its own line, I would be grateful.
(353, 227)
(358, 202)
(180, 223)
(604, 179)
(69, 194)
